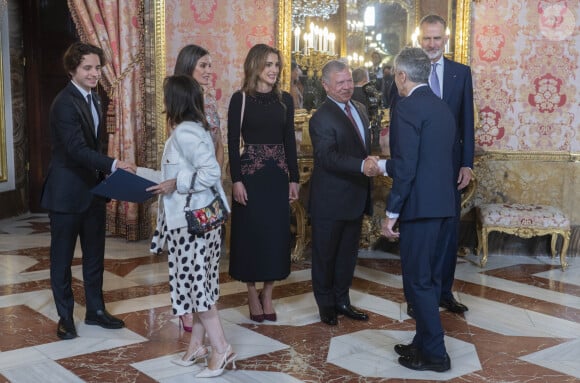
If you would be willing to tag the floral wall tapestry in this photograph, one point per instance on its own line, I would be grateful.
(227, 29)
(525, 63)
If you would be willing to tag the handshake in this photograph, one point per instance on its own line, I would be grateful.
(371, 166)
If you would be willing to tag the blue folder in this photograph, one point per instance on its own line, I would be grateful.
(124, 186)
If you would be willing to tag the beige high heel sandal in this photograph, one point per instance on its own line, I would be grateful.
(228, 357)
(193, 358)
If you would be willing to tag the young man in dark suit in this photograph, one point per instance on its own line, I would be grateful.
(422, 200)
(78, 164)
(453, 84)
(340, 191)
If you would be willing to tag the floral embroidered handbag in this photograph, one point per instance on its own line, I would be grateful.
(202, 220)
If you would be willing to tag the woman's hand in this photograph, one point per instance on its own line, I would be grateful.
(293, 189)
(165, 187)
(239, 193)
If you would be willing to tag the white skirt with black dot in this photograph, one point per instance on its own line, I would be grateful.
(193, 269)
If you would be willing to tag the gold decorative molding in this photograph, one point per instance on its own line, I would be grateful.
(462, 32)
(504, 155)
(160, 65)
(3, 142)
(285, 39)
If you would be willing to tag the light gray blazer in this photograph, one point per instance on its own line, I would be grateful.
(188, 150)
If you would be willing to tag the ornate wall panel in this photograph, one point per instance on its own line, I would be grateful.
(228, 29)
(525, 63)
(524, 59)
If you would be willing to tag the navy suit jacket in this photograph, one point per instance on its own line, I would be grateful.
(338, 188)
(77, 163)
(421, 140)
(458, 95)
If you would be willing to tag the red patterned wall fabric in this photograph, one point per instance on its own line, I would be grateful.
(524, 58)
(228, 29)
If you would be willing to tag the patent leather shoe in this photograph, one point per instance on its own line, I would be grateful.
(328, 315)
(406, 350)
(66, 329)
(418, 363)
(104, 319)
(452, 305)
(410, 310)
(351, 312)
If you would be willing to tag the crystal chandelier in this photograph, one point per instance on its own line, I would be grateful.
(312, 8)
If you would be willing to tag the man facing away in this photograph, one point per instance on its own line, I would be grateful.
(76, 166)
(422, 201)
(452, 82)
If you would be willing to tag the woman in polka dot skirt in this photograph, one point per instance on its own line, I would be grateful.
(193, 259)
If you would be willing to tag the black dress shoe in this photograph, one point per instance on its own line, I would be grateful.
(417, 362)
(328, 315)
(453, 306)
(104, 319)
(406, 350)
(351, 312)
(410, 311)
(66, 329)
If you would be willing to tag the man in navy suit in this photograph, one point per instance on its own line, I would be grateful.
(76, 166)
(422, 200)
(340, 191)
(453, 84)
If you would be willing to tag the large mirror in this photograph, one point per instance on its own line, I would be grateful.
(312, 31)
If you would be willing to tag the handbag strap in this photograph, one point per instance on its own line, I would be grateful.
(242, 120)
(190, 192)
(243, 107)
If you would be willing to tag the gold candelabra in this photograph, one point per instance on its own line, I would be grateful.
(313, 60)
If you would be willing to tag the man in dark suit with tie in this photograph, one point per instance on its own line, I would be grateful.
(76, 166)
(422, 200)
(340, 191)
(452, 82)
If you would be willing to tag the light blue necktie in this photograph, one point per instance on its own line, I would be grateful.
(434, 80)
(94, 113)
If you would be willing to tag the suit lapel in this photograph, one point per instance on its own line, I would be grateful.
(97, 103)
(449, 79)
(366, 131)
(87, 124)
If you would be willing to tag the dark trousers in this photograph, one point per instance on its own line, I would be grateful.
(334, 253)
(450, 262)
(65, 228)
(422, 266)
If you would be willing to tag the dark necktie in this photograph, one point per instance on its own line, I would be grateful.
(352, 120)
(94, 113)
(434, 80)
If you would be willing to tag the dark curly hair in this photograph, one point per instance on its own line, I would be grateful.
(74, 55)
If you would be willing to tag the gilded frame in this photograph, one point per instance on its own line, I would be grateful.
(159, 64)
(3, 157)
(462, 35)
(3, 112)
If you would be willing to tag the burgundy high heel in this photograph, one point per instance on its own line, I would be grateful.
(269, 317)
(255, 317)
(185, 328)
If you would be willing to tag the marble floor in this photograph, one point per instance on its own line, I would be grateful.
(523, 323)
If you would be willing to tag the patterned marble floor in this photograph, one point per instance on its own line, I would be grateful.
(523, 323)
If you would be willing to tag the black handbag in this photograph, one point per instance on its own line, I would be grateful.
(202, 220)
